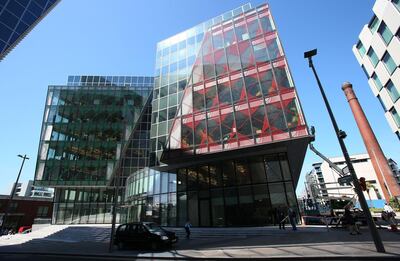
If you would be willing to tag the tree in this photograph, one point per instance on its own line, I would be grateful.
(394, 203)
(369, 186)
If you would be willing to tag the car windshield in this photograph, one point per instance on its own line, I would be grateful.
(153, 227)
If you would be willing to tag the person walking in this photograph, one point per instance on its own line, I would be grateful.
(350, 220)
(389, 215)
(187, 229)
(281, 219)
(292, 218)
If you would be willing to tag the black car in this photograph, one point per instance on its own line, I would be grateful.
(143, 234)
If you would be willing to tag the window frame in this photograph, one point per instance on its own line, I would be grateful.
(389, 70)
(371, 52)
(381, 31)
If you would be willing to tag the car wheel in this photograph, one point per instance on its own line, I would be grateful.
(154, 246)
(121, 245)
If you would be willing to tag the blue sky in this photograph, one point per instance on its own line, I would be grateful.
(99, 37)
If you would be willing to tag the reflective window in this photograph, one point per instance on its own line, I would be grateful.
(268, 85)
(277, 194)
(211, 97)
(257, 170)
(266, 24)
(396, 117)
(389, 63)
(215, 175)
(377, 82)
(214, 133)
(200, 136)
(393, 91)
(233, 58)
(273, 49)
(260, 52)
(396, 4)
(228, 173)
(217, 207)
(224, 94)
(243, 173)
(253, 26)
(373, 57)
(252, 87)
(276, 118)
(208, 66)
(241, 31)
(273, 170)
(238, 90)
(227, 126)
(229, 37)
(259, 122)
(218, 40)
(192, 179)
(385, 33)
(243, 124)
(373, 24)
(282, 78)
(220, 62)
(198, 100)
(246, 54)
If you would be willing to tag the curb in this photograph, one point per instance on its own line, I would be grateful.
(129, 257)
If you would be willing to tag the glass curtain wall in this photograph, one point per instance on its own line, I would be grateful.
(214, 194)
(239, 93)
(174, 61)
(94, 129)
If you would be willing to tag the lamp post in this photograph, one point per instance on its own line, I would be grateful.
(340, 136)
(12, 193)
(114, 209)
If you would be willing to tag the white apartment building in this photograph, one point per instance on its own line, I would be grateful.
(378, 53)
(29, 190)
(322, 186)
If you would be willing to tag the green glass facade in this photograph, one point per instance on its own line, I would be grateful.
(92, 127)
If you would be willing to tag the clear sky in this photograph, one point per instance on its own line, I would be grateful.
(118, 37)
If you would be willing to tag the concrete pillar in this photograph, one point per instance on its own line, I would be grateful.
(379, 162)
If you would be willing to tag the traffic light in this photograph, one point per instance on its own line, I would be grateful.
(363, 183)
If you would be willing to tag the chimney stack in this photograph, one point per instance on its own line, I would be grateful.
(379, 162)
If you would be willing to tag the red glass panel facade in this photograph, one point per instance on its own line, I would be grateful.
(240, 92)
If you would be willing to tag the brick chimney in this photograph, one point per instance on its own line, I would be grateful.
(379, 162)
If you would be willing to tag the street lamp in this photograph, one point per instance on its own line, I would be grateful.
(4, 219)
(340, 136)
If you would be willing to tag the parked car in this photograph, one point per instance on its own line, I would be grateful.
(143, 234)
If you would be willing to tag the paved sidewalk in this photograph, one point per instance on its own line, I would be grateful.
(306, 243)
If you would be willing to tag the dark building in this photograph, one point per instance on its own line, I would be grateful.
(17, 19)
(228, 136)
(95, 128)
(24, 210)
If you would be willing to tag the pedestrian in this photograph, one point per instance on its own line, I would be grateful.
(350, 220)
(187, 229)
(292, 218)
(281, 219)
(388, 214)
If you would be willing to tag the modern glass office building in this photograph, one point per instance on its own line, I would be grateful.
(228, 136)
(94, 129)
(17, 19)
